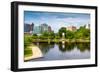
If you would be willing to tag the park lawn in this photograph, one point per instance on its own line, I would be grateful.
(28, 52)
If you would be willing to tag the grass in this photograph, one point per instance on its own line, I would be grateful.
(59, 40)
(28, 52)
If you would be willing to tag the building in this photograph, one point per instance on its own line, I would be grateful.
(31, 28)
(44, 27)
(71, 28)
(28, 28)
(37, 30)
(49, 29)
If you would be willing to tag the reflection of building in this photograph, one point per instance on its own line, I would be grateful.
(28, 28)
(71, 28)
(87, 26)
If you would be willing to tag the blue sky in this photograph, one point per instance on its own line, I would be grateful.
(56, 19)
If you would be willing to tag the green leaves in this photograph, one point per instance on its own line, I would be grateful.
(83, 33)
(80, 34)
(62, 30)
(27, 40)
(70, 34)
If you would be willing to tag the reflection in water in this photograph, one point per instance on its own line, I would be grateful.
(68, 47)
(83, 46)
(45, 47)
(61, 51)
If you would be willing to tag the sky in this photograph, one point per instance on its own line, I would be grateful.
(56, 19)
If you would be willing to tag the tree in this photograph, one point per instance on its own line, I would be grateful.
(62, 30)
(82, 33)
(70, 34)
(51, 35)
(57, 36)
(45, 34)
(34, 36)
(27, 40)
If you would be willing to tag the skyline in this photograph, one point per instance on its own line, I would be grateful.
(56, 19)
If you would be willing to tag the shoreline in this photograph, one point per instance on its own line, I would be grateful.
(36, 53)
(58, 41)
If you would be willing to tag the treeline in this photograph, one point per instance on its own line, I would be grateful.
(81, 33)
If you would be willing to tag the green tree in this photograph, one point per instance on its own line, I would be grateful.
(46, 34)
(62, 30)
(83, 33)
(70, 34)
(35, 36)
(51, 35)
(57, 36)
(27, 40)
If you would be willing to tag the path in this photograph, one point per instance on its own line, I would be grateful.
(36, 54)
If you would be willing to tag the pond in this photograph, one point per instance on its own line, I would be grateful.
(63, 51)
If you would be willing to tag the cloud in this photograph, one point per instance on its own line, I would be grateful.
(55, 19)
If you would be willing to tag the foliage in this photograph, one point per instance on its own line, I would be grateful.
(70, 34)
(47, 35)
(62, 30)
(28, 52)
(27, 40)
(82, 33)
(57, 36)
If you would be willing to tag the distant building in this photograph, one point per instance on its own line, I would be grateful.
(28, 28)
(31, 28)
(37, 30)
(49, 29)
(44, 27)
(71, 28)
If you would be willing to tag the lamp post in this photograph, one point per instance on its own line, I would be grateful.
(63, 35)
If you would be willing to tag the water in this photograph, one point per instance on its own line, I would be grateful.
(63, 51)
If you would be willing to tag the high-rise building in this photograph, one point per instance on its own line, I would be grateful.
(28, 28)
(71, 28)
(49, 29)
(31, 28)
(37, 30)
(44, 27)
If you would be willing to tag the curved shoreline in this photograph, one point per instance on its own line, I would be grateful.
(36, 53)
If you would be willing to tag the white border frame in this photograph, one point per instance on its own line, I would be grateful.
(22, 64)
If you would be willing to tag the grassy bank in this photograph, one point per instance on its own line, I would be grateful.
(61, 40)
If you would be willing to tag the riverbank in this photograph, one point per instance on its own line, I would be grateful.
(62, 40)
(36, 53)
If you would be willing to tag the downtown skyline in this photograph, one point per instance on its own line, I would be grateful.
(56, 19)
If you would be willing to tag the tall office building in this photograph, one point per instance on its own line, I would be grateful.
(49, 29)
(37, 30)
(28, 28)
(31, 28)
(44, 27)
